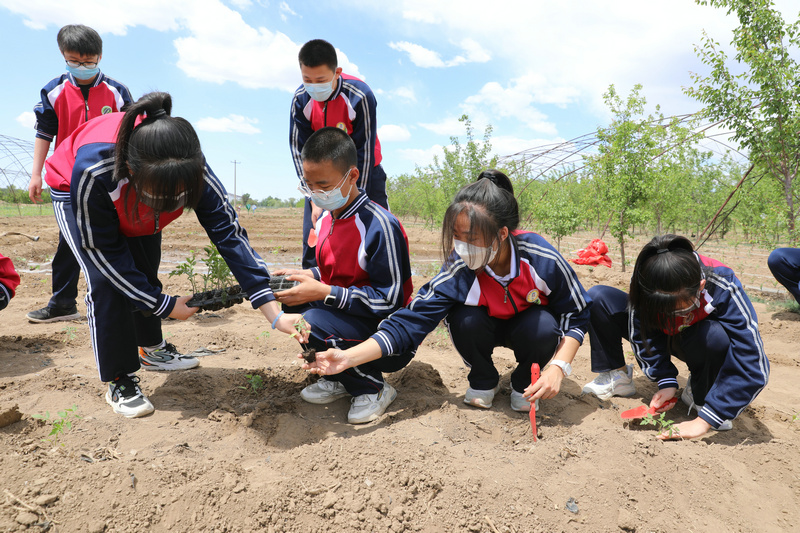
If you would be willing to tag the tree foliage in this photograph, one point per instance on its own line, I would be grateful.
(760, 104)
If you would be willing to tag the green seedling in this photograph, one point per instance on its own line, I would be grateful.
(254, 383)
(661, 423)
(70, 332)
(263, 335)
(187, 269)
(60, 425)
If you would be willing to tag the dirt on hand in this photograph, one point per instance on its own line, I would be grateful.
(225, 451)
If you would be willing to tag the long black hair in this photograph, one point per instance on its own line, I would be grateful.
(489, 204)
(667, 274)
(160, 157)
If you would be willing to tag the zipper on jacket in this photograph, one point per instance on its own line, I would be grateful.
(325, 114)
(507, 296)
(86, 104)
(155, 229)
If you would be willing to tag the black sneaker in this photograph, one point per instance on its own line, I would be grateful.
(127, 399)
(53, 314)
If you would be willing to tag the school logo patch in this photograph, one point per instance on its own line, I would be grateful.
(106, 109)
(533, 297)
(342, 126)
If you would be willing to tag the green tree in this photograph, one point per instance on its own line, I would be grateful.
(559, 212)
(427, 193)
(622, 167)
(761, 105)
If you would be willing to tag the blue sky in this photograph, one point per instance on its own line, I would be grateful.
(534, 70)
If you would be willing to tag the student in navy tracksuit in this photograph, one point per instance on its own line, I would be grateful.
(363, 275)
(116, 182)
(499, 286)
(66, 102)
(691, 307)
(329, 97)
(784, 263)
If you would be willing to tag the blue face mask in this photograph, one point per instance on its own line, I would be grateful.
(330, 200)
(83, 73)
(319, 91)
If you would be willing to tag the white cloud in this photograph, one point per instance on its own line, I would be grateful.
(425, 58)
(420, 157)
(285, 11)
(241, 4)
(229, 124)
(393, 133)
(448, 126)
(26, 119)
(219, 46)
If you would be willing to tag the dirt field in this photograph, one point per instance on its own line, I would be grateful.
(218, 457)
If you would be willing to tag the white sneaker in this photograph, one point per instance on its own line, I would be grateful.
(612, 383)
(519, 403)
(688, 398)
(127, 399)
(480, 398)
(324, 391)
(368, 407)
(165, 359)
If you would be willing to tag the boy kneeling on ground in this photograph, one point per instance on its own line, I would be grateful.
(363, 275)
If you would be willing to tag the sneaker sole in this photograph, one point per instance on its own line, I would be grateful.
(608, 396)
(110, 402)
(150, 367)
(64, 318)
(324, 400)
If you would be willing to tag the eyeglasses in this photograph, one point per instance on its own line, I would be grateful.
(683, 313)
(308, 193)
(87, 64)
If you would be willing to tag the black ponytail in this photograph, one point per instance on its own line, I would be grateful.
(161, 156)
(490, 205)
(667, 274)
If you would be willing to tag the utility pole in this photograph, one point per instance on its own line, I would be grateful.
(235, 162)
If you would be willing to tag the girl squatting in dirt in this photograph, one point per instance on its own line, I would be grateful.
(116, 182)
(685, 305)
(499, 286)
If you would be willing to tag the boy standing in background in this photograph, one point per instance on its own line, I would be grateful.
(68, 101)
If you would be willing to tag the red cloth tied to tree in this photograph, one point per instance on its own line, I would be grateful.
(594, 254)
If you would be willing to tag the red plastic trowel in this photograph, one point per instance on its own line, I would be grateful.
(642, 411)
(534, 379)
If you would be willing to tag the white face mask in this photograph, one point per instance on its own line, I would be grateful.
(319, 91)
(474, 256)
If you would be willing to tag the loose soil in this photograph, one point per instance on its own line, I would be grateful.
(219, 456)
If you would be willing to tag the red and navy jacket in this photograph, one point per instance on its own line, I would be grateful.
(352, 107)
(363, 256)
(9, 280)
(63, 107)
(745, 371)
(81, 171)
(543, 277)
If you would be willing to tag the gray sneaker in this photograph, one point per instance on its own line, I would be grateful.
(520, 404)
(480, 398)
(368, 407)
(324, 391)
(53, 314)
(127, 399)
(688, 399)
(165, 359)
(612, 383)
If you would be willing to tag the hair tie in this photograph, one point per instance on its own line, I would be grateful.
(157, 113)
(662, 250)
